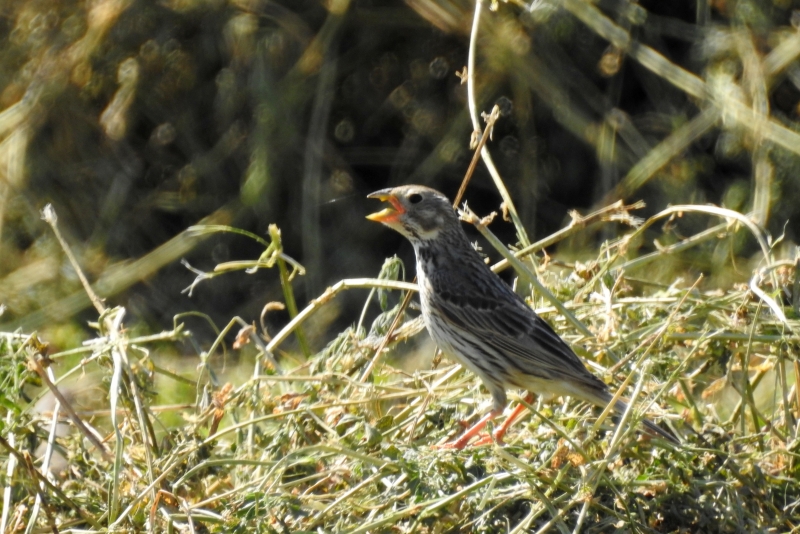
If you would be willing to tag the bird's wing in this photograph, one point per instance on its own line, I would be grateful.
(511, 327)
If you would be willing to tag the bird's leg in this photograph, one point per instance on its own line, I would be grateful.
(471, 432)
(498, 434)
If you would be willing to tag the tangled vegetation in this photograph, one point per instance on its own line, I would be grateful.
(301, 415)
(334, 443)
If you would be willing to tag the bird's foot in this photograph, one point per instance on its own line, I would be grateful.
(467, 436)
(484, 439)
(448, 445)
(456, 444)
(487, 439)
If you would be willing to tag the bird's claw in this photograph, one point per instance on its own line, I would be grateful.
(486, 439)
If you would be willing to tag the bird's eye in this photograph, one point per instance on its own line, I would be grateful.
(415, 198)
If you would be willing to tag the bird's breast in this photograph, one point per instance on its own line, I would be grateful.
(424, 283)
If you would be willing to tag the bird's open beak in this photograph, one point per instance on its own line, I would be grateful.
(387, 215)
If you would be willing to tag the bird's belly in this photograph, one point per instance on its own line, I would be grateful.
(439, 335)
(457, 350)
(456, 345)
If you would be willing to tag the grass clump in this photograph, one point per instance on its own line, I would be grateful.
(316, 444)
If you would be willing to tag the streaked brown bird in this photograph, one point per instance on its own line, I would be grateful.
(476, 319)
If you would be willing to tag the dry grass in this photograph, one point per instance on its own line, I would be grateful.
(110, 435)
(310, 446)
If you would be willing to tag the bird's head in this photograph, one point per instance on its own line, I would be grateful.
(418, 212)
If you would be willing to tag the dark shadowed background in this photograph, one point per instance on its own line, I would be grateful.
(138, 119)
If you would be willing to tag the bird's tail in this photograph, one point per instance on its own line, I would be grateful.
(620, 408)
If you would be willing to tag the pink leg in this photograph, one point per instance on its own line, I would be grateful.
(498, 434)
(471, 432)
(486, 439)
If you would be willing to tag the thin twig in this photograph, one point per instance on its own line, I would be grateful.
(476, 127)
(769, 301)
(77, 421)
(717, 231)
(330, 293)
(48, 456)
(49, 216)
(615, 212)
(491, 119)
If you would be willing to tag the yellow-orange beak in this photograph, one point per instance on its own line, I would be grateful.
(386, 215)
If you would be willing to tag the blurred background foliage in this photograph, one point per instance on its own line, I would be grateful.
(138, 119)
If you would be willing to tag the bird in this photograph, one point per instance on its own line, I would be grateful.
(476, 319)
